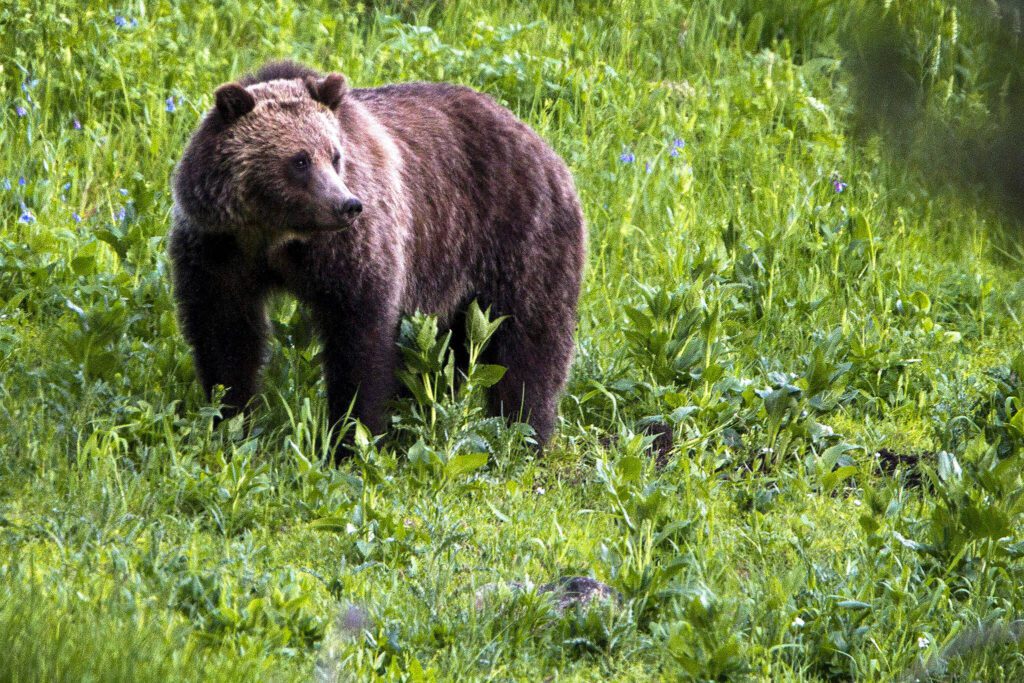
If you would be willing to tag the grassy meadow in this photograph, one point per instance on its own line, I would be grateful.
(832, 335)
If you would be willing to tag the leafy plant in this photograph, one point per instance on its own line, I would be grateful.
(454, 436)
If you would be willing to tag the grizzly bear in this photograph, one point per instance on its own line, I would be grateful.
(368, 204)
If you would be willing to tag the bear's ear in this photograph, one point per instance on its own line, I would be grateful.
(329, 90)
(233, 101)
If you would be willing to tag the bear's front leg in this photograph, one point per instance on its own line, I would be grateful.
(221, 302)
(360, 359)
(356, 313)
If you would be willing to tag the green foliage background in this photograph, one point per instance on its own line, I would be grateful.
(841, 369)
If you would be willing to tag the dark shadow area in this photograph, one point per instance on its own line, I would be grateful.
(944, 86)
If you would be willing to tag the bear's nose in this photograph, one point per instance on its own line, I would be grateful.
(352, 207)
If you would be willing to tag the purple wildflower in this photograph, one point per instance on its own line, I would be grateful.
(648, 167)
(170, 105)
(627, 157)
(120, 214)
(66, 186)
(76, 124)
(120, 21)
(76, 217)
(678, 143)
(20, 110)
(123, 191)
(674, 152)
(837, 182)
(26, 215)
(22, 181)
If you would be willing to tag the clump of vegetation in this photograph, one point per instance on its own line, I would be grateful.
(791, 443)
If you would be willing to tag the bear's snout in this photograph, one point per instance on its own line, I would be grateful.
(345, 209)
(351, 207)
(334, 205)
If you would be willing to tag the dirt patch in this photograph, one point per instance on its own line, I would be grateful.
(890, 461)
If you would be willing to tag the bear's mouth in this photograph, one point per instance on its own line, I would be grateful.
(329, 221)
(311, 225)
(321, 226)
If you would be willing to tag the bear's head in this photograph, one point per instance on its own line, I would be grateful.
(268, 161)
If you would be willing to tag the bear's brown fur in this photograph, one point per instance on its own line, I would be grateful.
(368, 204)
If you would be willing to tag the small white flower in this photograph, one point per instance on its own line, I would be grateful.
(857, 502)
(817, 104)
(923, 642)
(798, 622)
(540, 490)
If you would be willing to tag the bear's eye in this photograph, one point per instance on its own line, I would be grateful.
(336, 160)
(300, 162)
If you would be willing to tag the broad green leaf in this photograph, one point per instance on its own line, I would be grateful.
(832, 479)
(466, 462)
(630, 468)
(484, 375)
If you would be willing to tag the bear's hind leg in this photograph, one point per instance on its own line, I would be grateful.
(537, 363)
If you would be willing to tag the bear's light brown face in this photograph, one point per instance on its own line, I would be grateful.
(287, 156)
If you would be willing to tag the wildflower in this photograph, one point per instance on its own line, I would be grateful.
(75, 217)
(66, 186)
(76, 124)
(648, 167)
(20, 110)
(123, 191)
(170, 105)
(121, 214)
(627, 157)
(798, 622)
(837, 183)
(923, 642)
(7, 184)
(678, 143)
(674, 152)
(120, 21)
(26, 215)
(22, 181)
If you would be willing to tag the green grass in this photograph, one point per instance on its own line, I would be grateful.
(788, 332)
